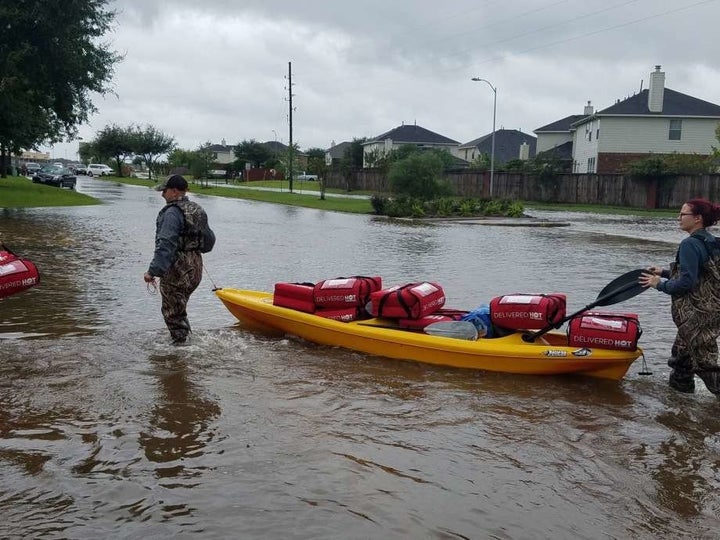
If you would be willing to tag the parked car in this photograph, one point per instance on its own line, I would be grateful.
(55, 176)
(99, 169)
(81, 169)
(32, 168)
(305, 176)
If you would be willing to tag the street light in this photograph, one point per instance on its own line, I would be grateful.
(492, 150)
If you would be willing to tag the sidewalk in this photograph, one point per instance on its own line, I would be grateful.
(285, 190)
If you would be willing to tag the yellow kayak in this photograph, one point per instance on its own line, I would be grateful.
(548, 355)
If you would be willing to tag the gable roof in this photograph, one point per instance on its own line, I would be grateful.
(412, 134)
(275, 146)
(674, 104)
(561, 151)
(560, 126)
(338, 151)
(507, 144)
(219, 148)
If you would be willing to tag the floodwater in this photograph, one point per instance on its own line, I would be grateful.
(107, 431)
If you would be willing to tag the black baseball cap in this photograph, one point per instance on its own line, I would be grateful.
(174, 181)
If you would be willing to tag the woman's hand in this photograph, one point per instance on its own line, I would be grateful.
(648, 279)
(656, 270)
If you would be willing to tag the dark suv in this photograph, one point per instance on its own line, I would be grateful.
(55, 176)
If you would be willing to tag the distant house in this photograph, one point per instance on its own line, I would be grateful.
(404, 135)
(508, 146)
(222, 153)
(556, 138)
(655, 121)
(276, 147)
(337, 151)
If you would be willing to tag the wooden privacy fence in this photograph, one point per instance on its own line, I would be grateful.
(605, 189)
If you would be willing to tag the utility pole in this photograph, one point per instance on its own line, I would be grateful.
(291, 150)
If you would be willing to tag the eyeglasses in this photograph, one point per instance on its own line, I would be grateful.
(686, 214)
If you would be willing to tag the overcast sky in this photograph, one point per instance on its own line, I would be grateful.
(217, 69)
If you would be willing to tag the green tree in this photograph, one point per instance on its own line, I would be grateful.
(716, 150)
(87, 152)
(316, 161)
(115, 142)
(180, 158)
(51, 60)
(419, 176)
(352, 160)
(253, 152)
(149, 143)
(481, 162)
(201, 161)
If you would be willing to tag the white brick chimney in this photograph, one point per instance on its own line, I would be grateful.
(656, 92)
(524, 151)
(588, 109)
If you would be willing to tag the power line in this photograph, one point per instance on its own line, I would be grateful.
(600, 31)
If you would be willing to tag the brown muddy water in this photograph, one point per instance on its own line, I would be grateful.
(107, 431)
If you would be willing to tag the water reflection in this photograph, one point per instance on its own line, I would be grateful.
(689, 462)
(180, 422)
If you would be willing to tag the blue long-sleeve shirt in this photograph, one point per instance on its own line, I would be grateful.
(691, 256)
(167, 237)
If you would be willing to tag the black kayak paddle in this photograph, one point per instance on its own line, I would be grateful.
(618, 290)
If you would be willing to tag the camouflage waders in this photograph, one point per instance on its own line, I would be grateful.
(697, 317)
(176, 286)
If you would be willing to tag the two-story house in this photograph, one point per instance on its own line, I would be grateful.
(556, 138)
(222, 153)
(657, 120)
(403, 135)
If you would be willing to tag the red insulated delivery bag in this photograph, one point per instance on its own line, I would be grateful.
(605, 330)
(527, 311)
(16, 275)
(352, 291)
(339, 314)
(298, 296)
(6, 256)
(411, 301)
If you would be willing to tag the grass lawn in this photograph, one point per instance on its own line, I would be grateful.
(20, 192)
(335, 204)
(600, 209)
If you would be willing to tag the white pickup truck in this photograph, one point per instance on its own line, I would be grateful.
(305, 176)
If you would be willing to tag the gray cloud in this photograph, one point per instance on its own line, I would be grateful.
(217, 69)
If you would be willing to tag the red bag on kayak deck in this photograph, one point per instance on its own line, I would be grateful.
(17, 275)
(298, 296)
(345, 292)
(340, 314)
(411, 301)
(605, 330)
(527, 311)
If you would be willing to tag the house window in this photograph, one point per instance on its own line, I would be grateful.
(591, 165)
(675, 130)
(597, 134)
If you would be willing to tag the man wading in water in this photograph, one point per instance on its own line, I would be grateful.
(182, 234)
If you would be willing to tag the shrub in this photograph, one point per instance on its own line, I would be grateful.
(379, 204)
(419, 176)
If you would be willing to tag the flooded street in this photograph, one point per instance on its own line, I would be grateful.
(108, 431)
